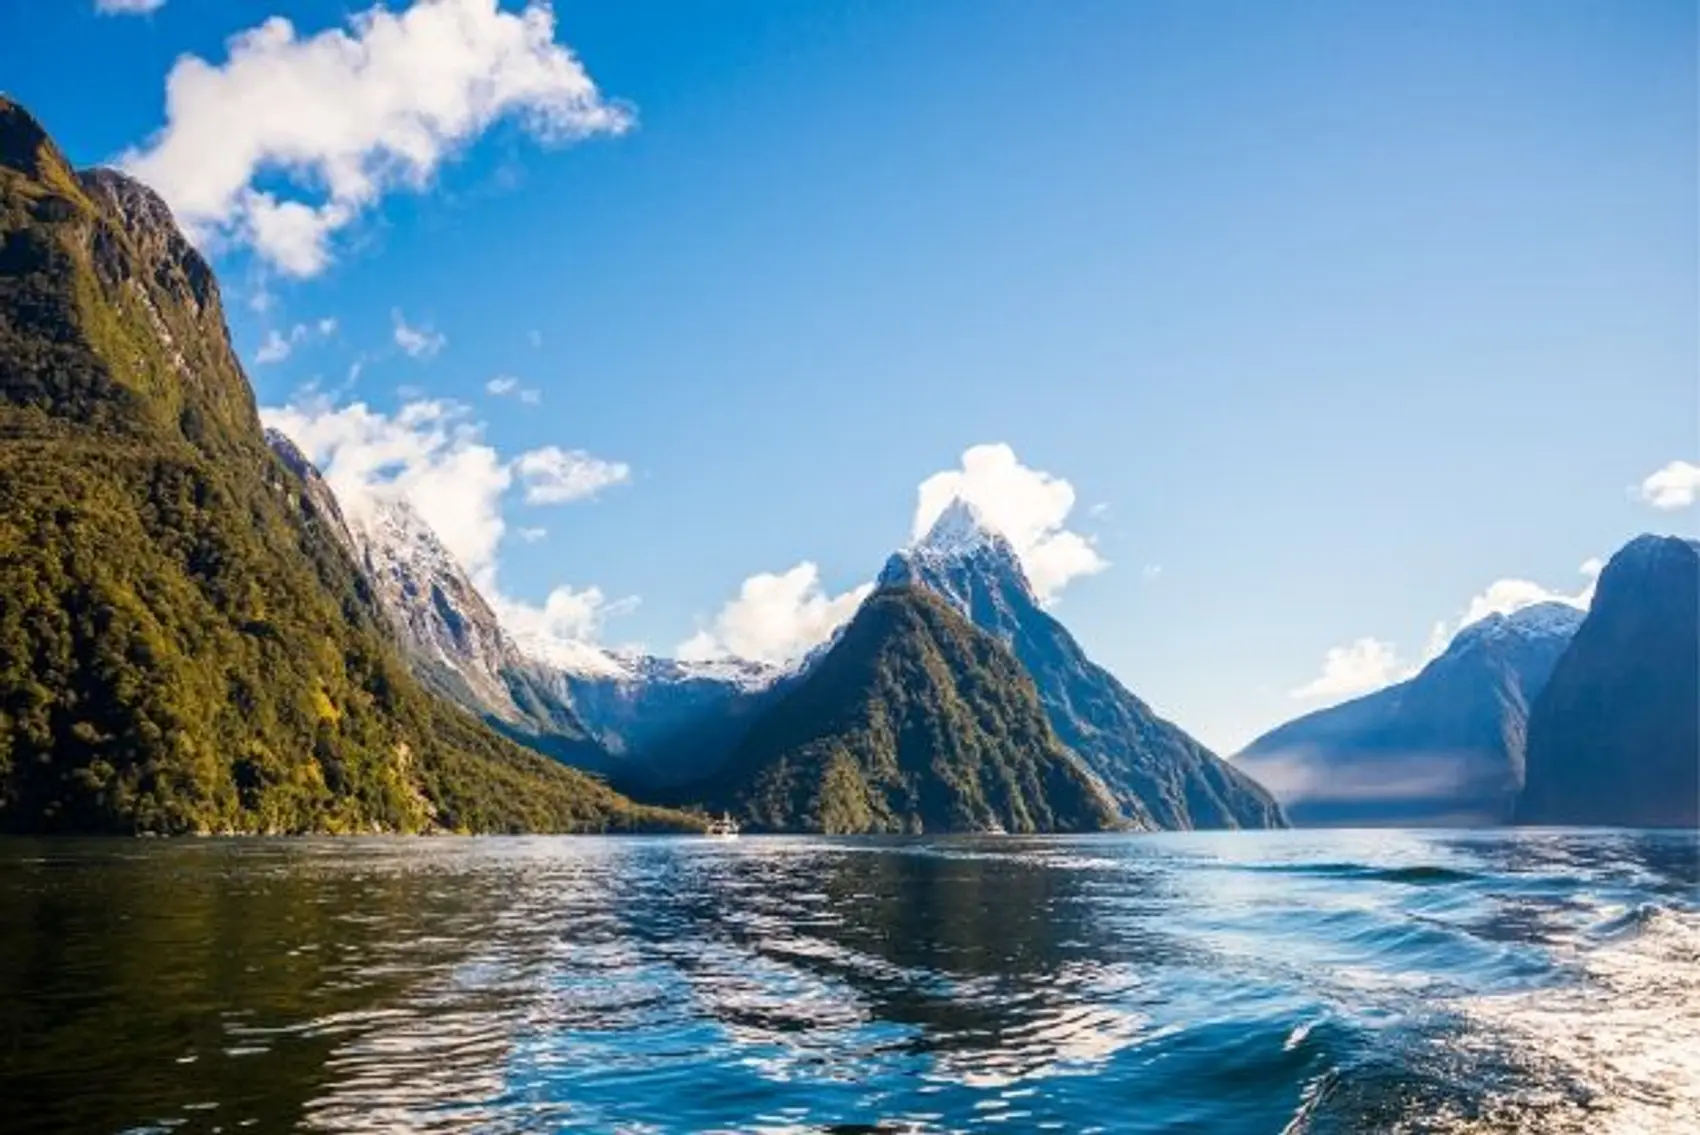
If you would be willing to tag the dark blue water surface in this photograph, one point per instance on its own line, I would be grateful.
(1281, 982)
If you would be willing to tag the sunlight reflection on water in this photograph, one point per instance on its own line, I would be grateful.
(1299, 982)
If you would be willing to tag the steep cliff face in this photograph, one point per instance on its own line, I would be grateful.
(648, 722)
(185, 644)
(914, 721)
(1158, 775)
(1614, 737)
(453, 640)
(315, 504)
(1445, 748)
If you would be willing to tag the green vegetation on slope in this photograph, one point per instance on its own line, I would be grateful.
(914, 721)
(184, 646)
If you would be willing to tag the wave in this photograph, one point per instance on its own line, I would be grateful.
(1614, 1050)
(1421, 874)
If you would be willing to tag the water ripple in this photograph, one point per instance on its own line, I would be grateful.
(1305, 983)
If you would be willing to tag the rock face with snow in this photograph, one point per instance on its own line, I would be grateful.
(1157, 774)
(1444, 748)
(1615, 736)
(668, 722)
(450, 636)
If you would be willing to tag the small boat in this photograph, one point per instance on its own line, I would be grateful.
(723, 828)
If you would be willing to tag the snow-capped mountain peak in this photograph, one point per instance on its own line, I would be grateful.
(960, 555)
(1551, 619)
(388, 524)
(960, 529)
(427, 593)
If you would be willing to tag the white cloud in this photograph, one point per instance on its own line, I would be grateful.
(552, 475)
(432, 453)
(778, 617)
(1370, 664)
(506, 385)
(1675, 486)
(1151, 573)
(127, 7)
(565, 628)
(420, 342)
(1505, 596)
(1364, 665)
(346, 116)
(775, 618)
(278, 346)
(275, 349)
(531, 535)
(1028, 506)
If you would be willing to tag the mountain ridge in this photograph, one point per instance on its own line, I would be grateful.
(645, 721)
(186, 645)
(916, 721)
(445, 626)
(1444, 747)
(1158, 775)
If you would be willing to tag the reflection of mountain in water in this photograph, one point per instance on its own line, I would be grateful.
(230, 961)
(977, 968)
(1340, 982)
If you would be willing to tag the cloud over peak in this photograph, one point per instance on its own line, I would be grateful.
(1357, 668)
(1368, 664)
(1029, 506)
(346, 116)
(776, 617)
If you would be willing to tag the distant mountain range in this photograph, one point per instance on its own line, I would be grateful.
(662, 726)
(1445, 747)
(196, 635)
(1450, 746)
(1548, 715)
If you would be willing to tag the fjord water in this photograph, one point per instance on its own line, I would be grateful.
(1237, 982)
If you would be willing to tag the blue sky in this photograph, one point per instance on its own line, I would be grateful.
(1326, 317)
